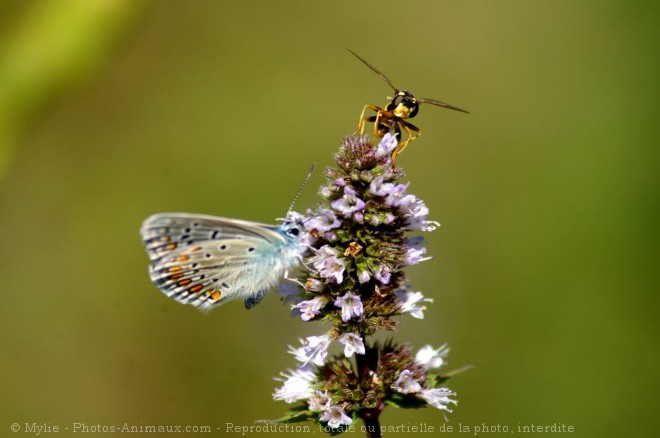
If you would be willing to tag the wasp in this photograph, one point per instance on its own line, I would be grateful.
(404, 105)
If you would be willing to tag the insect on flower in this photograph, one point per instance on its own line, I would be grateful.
(206, 260)
(404, 105)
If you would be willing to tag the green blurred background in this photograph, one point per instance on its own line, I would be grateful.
(545, 269)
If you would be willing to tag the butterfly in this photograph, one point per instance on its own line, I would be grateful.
(206, 261)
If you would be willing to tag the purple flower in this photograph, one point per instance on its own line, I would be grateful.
(359, 242)
(310, 308)
(325, 191)
(300, 353)
(351, 305)
(320, 401)
(376, 186)
(349, 203)
(335, 417)
(414, 255)
(406, 383)
(438, 397)
(307, 238)
(328, 264)
(297, 386)
(429, 358)
(415, 251)
(412, 302)
(430, 226)
(383, 274)
(363, 276)
(293, 216)
(387, 144)
(352, 344)
(325, 220)
(386, 218)
(416, 214)
(316, 348)
(314, 285)
(391, 192)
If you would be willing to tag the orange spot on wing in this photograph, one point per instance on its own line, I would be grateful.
(176, 276)
(171, 246)
(185, 282)
(196, 288)
(184, 258)
(175, 268)
(215, 295)
(195, 248)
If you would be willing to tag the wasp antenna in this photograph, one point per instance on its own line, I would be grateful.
(442, 104)
(302, 186)
(378, 72)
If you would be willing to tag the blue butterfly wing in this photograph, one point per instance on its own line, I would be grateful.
(206, 261)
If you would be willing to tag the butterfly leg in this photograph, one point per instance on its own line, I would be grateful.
(294, 280)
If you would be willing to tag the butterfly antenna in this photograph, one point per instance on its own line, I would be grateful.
(295, 198)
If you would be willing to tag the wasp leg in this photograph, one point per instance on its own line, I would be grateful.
(360, 127)
(364, 119)
(409, 128)
(377, 124)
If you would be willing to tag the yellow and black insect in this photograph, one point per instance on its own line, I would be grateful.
(404, 105)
